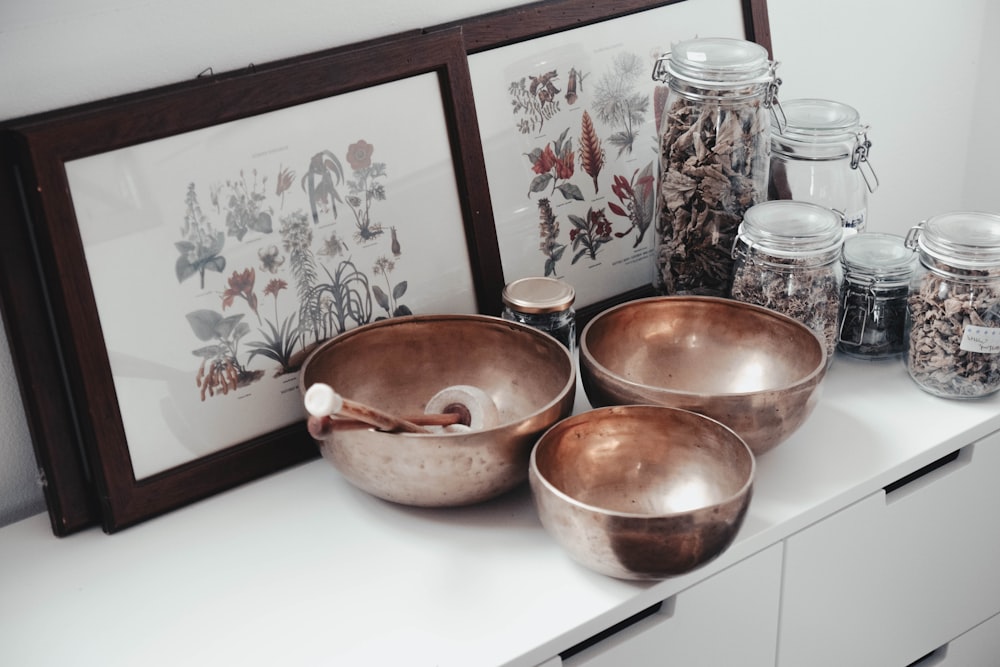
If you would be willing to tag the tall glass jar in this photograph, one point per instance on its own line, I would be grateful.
(953, 313)
(714, 145)
(787, 258)
(820, 155)
(877, 272)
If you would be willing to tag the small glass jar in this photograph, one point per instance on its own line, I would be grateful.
(714, 147)
(953, 311)
(545, 304)
(877, 272)
(821, 156)
(787, 258)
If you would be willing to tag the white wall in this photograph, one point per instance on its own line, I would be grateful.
(921, 74)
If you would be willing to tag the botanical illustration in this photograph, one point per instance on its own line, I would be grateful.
(304, 285)
(597, 197)
(620, 102)
(534, 99)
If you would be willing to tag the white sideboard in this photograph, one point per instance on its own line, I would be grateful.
(300, 568)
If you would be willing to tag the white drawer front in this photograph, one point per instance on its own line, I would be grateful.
(898, 574)
(728, 619)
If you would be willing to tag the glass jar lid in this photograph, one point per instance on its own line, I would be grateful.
(538, 295)
(969, 239)
(883, 257)
(717, 61)
(788, 228)
(819, 121)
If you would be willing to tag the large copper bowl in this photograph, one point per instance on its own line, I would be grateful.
(641, 492)
(397, 365)
(751, 368)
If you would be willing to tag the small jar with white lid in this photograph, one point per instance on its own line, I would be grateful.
(787, 258)
(953, 313)
(820, 155)
(545, 304)
(877, 272)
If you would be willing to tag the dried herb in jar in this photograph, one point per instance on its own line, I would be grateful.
(787, 258)
(953, 310)
(940, 311)
(707, 163)
(714, 147)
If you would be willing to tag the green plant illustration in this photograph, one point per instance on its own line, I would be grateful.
(280, 339)
(589, 234)
(365, 189)
(245, 208)
(329, 308)
(220, 371)
(200, 248)
(388, 299)
(618, 101)
(318, 183)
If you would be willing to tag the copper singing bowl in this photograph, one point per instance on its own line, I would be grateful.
(641, 491)
(753, 369)
(397, 365)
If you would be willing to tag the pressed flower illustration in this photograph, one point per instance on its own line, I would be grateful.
(241, 285)
(220, 371)
(388, 300)
(365, 189)
(637, 197)
(280, 340)
(548, 230)
(286, 177)
(534, 102)
(591, 152)
(319, 184)
(200, 248)
(574, 84)
(589, 234)
(619, 102)
(245, 208)
(270, 259)
(553, 164)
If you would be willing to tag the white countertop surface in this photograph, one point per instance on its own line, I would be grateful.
(300, 568)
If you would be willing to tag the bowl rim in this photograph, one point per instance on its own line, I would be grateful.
(811, 378)
(745, 490)
(401, 320)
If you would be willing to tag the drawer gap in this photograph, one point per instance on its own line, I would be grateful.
(921, 472)
(614, 629)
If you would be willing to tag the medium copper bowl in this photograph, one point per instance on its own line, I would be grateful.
(751, 368)
(399, 364)
(639, 491)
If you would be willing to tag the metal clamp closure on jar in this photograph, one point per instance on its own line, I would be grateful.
(715, 67)
(877, 272)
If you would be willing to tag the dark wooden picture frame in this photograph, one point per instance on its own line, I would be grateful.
(50, 306)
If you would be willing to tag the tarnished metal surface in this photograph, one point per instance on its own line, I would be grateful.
(641, 492)
(755, 370)
(399, 364)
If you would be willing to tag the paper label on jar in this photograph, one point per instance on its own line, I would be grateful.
(985, 340)
(855, 221)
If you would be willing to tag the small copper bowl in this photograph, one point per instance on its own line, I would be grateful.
(639, 491)
(751, 368)
(397, 365)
